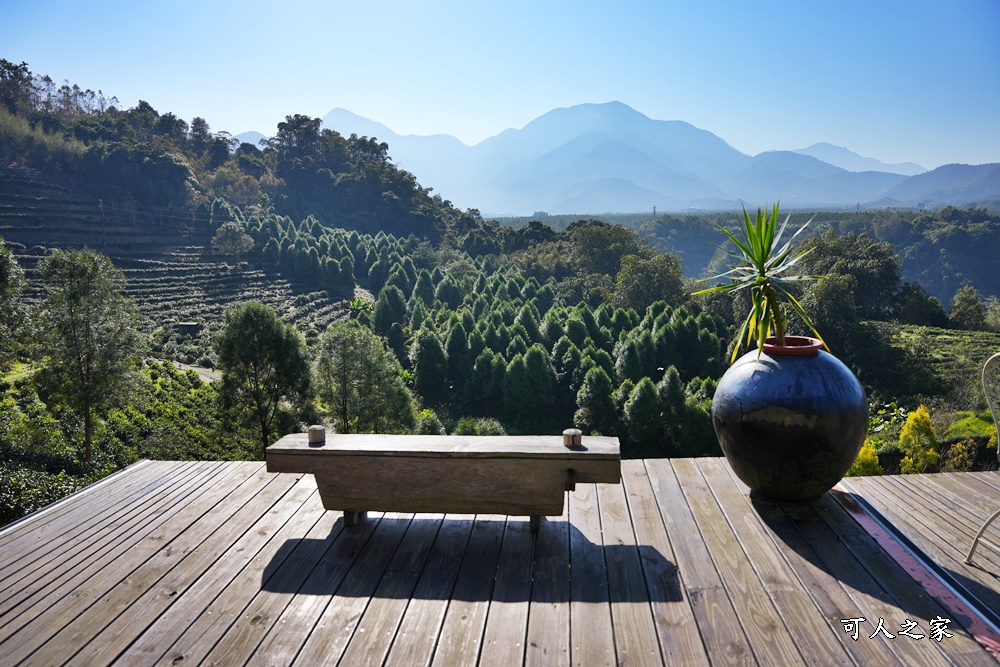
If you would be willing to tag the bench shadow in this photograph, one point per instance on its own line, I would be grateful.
(461, 559)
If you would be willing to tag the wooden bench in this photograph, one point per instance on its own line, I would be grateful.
(515, 475)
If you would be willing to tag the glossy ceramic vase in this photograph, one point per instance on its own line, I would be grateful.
(792, 421)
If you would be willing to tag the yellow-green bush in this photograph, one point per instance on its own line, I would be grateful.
(959, 457)
(866, 463)
(918, 443)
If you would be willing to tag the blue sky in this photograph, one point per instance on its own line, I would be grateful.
(896, 80)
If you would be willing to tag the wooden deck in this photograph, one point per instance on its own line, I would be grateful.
(226, 564)
(939, 516)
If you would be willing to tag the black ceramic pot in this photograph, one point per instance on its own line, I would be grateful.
(791, 422)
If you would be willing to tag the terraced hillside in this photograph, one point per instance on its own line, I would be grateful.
(167, 258)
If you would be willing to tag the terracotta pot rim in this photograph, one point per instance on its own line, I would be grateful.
(795, 346)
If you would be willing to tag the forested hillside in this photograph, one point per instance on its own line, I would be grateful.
(373, 305)
(943, 249)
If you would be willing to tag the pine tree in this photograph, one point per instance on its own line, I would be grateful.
(596, 412)
(430, 365)
(643, 421)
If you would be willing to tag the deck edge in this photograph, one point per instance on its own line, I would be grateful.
(937, 583)
(41, 511)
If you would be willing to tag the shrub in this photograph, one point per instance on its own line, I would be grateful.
(23, 491)
(959, 457)
(489, 426)
(918, 443)
(465, 426)
(971, 424)
(866, 463)
(428, 423)
(481, 426)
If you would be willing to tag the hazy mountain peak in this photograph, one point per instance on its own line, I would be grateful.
(851, 161)
(607, 156)
(347, 123)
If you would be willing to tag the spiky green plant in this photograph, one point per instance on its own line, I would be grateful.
(764, 267)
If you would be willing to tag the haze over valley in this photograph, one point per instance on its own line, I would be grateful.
(599, 158)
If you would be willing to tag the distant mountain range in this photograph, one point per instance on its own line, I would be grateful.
(600, 158)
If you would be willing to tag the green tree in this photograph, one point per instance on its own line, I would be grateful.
(11, 310)
(232, 241)
(199, 136)
(518, 399)
(361, 382)
(915, 306)
(628, 361)
(640, 281)
(542, 380)
(831, 305)
(967, 310)
(423, 289)
(874, 267)
(89, 332)
(601, 247)
(390, 308)
(448, 292)
(430, 365)
(264, 367)
(596, 412)
(643, 421)
(459, 359)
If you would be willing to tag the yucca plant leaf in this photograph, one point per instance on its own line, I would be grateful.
(765, 264)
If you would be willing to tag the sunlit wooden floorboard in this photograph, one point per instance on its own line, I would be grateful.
(226, 564)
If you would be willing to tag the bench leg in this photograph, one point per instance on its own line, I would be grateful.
(535, 523)
(351, 517)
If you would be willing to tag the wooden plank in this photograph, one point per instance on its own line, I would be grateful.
(981, 491)
(915, 567)
(29, 567)
(817, 645)
(871, 598)
(282, 642)
(592, 641)
(217, 619)
(961, 649)
(547, 641)
(418, 631)
(823, 587)
(447, 446)
(976, 500)
(770, 640)
(941, 541)
(462, 631)
(961, 504)
(680, 641)
(333, 631)
(43, 605)
(507, 620)
(937, 506)
(168, 561)
(989, 477)
(767, 560)
(377, 628)
(636, 641)
(85, 524)
(239, 644)
(268, 511)
(41, 520)
(725, 641)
